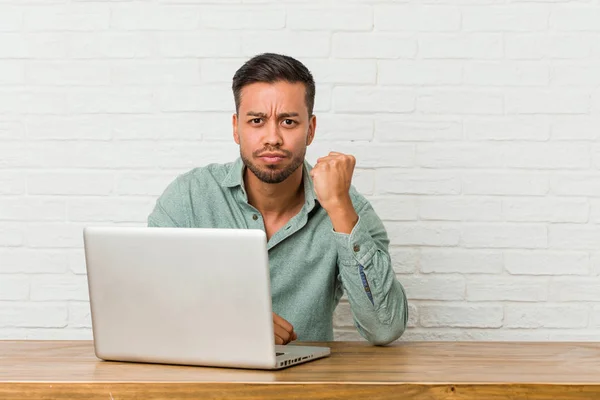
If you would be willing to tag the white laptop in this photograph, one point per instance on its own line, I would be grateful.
(185, 296)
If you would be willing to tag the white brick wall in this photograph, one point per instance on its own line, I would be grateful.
(476, 125)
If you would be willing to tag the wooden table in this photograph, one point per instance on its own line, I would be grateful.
(415, 370)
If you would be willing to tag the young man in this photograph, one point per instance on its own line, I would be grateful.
(324, 238)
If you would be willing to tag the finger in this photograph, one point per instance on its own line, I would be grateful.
(335, 153)
(282, 334)
(278, 340)
(294, 336)
(283, 323)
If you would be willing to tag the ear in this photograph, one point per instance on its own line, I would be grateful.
(234, 123)
(312, 127)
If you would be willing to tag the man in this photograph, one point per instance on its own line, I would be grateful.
(323, 236)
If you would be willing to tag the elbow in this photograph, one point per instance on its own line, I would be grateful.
(388, 334)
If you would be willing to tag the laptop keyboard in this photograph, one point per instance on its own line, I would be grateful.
(279, 354)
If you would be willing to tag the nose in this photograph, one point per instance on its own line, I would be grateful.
(272, 134)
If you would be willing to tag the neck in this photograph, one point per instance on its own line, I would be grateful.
(275, 199)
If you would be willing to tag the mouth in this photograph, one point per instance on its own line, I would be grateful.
(272, 158)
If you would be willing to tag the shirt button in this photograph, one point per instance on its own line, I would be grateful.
(254, 217)
(356, 248)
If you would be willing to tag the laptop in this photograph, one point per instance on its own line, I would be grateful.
(185, 296)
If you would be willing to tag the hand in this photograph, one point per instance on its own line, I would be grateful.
(332, 176)
(284, 331)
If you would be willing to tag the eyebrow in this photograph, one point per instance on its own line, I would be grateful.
(279, 116)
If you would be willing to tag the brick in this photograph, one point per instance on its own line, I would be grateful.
(184, 126)
(373, 45)
(30, 315)
(368, 155)
(114, 210)
(33, 101)
(72, 17)
(423, 234)
(70, 183)
(545, 316)
(57, 288)
(419, 72)
(572, 128)
(342, 317)
(185, 156)
(337, 18)
(460, 102)
(451, 155)
(548, 156)
(575, 18)
(59, 333)
(447, 261)
(54, 235)
(81, 73)
(434, 288)
(76, 261)
(142, 183)
(461, 316)
(460, 209)
(28, 261)
(417, 18)
(579, 289)
(251, 18)
(12, 129)
(364, 181)
(282, 42)
(11, 234)
(12, 182)
(152, 72)
(501, 183)
(547, 102)
(215, 70)
(417, 182)
(404, 260)
(32, 45)
(358, 99)
(343, 71)
(12, 72)
(13, 155)
(400, 128)
(595, 317)
(575, 75)
(573, 236)
(109, 100)
(503, 129)
(213, 97)
(546, 263)
(525, 236)
(52, 127)
(461, 46)
(395, 208)
(546, 210)
(576, 184)
(202, 44)
(536, 46)
(493, 73)
(14, 287)
(32, 209)
(80, 315)
(512, 18)
(114, 45)
(344, 127)
(507, 289)
(11, 18)
(144, 17)
(594, 211)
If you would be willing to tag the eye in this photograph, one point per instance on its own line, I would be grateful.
(256, 120)
(289, 122)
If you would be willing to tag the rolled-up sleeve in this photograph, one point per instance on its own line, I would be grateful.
(377, 299)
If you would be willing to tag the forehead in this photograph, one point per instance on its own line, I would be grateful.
(281, 94)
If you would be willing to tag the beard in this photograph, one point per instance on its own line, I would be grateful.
(272, 173)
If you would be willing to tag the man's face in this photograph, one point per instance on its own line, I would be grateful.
(273, 129)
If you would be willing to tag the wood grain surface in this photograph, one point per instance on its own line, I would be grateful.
(419, 370)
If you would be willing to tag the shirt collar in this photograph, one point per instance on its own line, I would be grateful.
(235, 178)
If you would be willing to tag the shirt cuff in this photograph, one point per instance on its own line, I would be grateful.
(356, 247)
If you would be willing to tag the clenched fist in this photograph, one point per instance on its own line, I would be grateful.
(332, 176)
